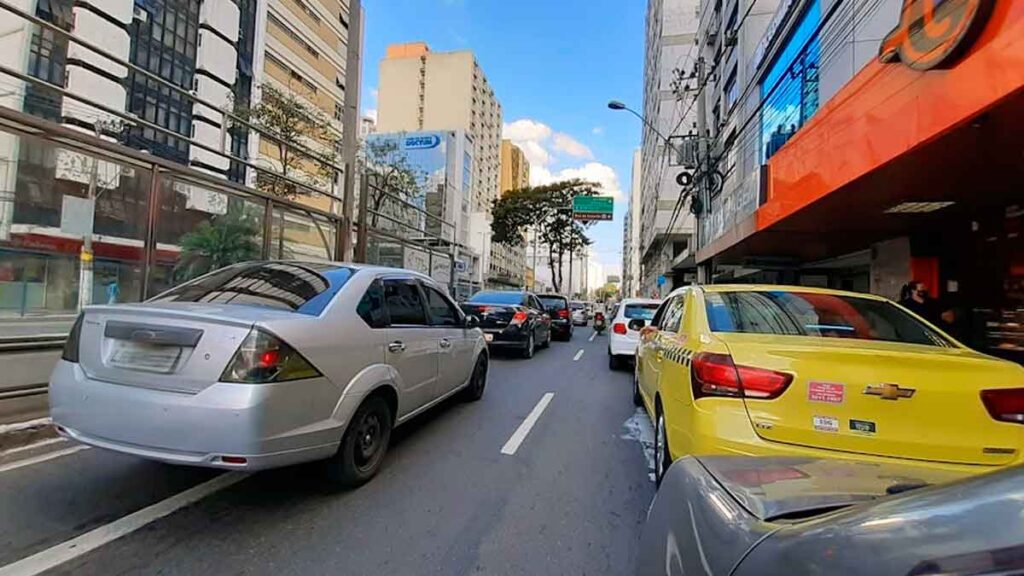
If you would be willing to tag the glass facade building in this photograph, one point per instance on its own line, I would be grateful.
(790, 89)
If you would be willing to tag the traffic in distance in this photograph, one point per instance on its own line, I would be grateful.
(778, 414)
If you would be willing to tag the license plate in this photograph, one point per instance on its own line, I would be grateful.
(145, 357)
(488, 337)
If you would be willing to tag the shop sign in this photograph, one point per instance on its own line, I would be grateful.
(933, 34)
(421, 142)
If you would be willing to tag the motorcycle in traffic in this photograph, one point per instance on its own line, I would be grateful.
(599, 323)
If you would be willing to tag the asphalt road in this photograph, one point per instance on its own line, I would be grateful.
(571, 499)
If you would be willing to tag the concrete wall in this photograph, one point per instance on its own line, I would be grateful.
(890, 267)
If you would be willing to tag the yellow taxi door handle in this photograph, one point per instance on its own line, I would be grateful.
(659, 356)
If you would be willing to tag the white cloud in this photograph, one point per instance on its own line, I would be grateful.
(526, 129)
(569, 145)
(597, 130)
(591, 172)
(370, 113)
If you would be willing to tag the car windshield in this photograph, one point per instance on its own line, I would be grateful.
(298, 287)
(577, 306)
(553, 302)
(641, 311)
(816, 315)
(506, 298)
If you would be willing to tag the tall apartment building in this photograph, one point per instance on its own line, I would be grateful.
(508, 263)
(423, 90)
(671, 30)
(631, 233)
(309, 46)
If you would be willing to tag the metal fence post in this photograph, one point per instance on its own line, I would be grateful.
(268, 217)
(149, 245)
(362, 225)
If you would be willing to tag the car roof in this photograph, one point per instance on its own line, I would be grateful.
(562, 296)
(640, 301)
(725, 288)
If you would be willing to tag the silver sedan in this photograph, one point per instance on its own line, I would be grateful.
(267, 364)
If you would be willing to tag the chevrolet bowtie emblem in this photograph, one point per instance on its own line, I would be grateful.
(889, 391)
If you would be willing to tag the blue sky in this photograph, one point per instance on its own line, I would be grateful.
(554, 64)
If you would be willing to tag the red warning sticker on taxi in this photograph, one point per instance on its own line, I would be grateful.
(826, 392)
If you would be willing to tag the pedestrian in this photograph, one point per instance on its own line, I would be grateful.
(113, 292)
(914, 297)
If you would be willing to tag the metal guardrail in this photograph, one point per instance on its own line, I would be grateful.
(23, 391)
(32, 343)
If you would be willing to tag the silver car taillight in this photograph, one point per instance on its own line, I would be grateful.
(70, 352)
(263, 358)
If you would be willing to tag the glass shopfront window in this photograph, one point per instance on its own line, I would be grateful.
(200, 229)
(48, 220)
(790, 89)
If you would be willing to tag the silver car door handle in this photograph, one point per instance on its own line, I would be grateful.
(446, 343)
(397, 346)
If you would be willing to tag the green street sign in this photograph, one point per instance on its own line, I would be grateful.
(588, 208)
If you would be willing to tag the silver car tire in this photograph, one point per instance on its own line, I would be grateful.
(477, 381)
(364, 444)
(662, 459)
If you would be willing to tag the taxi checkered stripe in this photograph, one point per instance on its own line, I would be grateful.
(679, 355)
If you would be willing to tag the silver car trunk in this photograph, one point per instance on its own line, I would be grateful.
(178, 346)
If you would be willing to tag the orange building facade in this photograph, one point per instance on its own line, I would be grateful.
(913, 170)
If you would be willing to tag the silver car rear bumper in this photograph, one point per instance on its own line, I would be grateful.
(269, 425)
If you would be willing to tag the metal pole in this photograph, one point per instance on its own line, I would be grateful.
(572, 242)
(350, 141)
(534, 282)
(702, 164)
(151, 223)
(85, 256)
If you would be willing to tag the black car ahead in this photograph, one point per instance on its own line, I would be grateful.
(511, 320)
(557, 306)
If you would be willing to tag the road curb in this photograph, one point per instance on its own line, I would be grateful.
(24, 433)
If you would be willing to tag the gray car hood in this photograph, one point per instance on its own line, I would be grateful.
(777, 489)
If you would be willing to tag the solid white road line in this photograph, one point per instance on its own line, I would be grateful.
(32, 446)
(578, 355)
(592, 335)
(519, 435)
(41, 458)
(16, 426)
(66, 551)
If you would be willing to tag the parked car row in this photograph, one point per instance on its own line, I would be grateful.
(875, 443)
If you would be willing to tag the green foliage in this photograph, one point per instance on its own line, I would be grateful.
(216, 243)
(392, 176)
(547, 210)
(285, 121)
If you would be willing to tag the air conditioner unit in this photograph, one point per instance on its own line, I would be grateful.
(140, 14)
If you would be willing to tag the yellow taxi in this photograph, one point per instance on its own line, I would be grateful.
(795, 371)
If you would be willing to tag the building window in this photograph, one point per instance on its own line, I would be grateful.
(790, 88)
(732, 91)
(243, 85)
(309, 11)
(47, 58)
(164, 44)
(293, 35)
(339, 111)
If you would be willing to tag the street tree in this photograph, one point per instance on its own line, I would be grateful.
(223, 240)
(288, 124)
(546, 210)
(392, 176)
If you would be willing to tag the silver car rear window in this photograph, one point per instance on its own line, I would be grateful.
(298, 287)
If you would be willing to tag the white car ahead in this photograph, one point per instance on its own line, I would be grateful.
(631, 315)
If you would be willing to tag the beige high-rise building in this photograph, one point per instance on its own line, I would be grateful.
(307, 52)
(515, 168)
(508, 263)
(424, 90)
